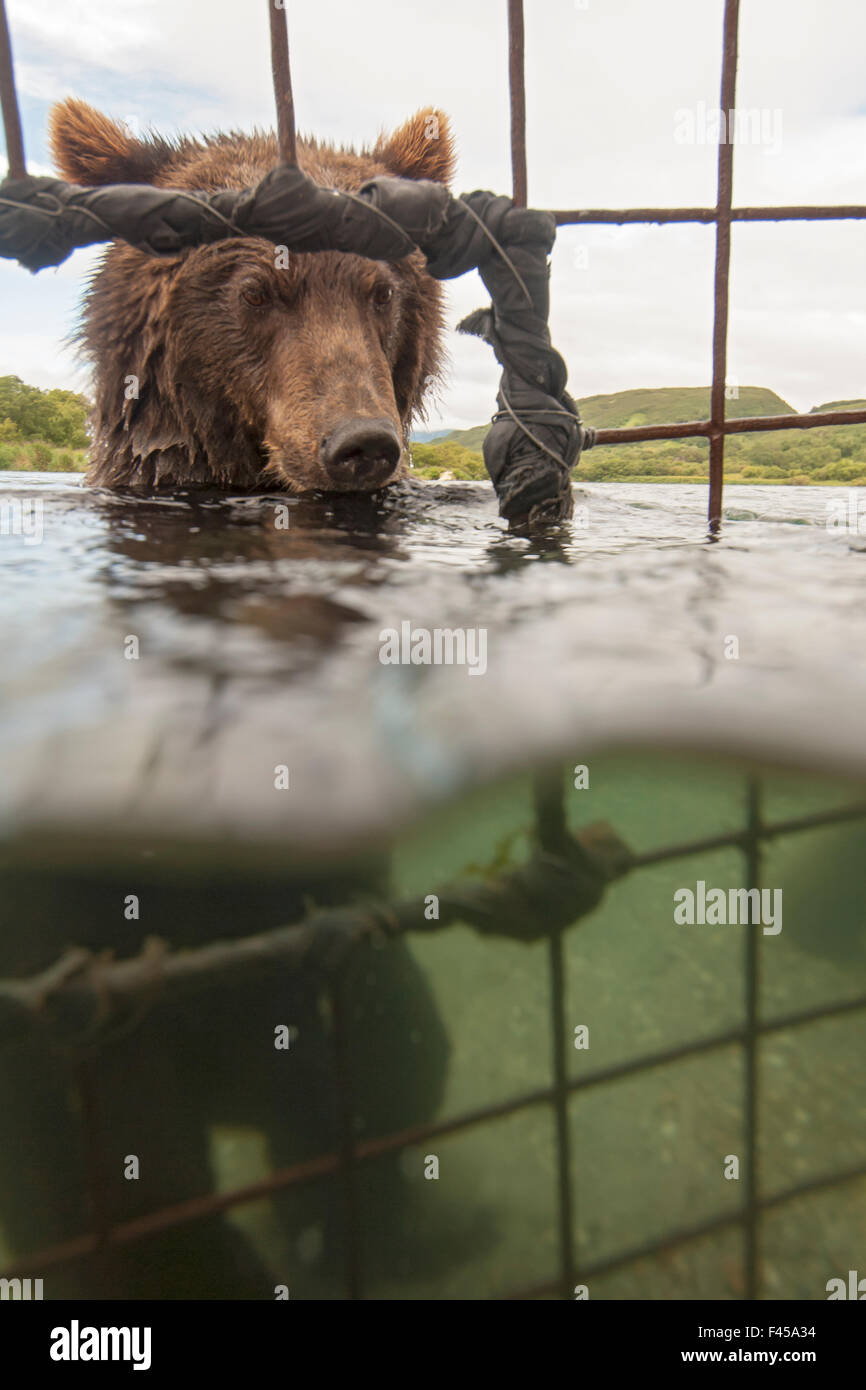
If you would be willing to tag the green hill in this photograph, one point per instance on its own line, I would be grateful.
(675, 404)
(838, 405)
(468, 439)
(831, 454)
(656, 406)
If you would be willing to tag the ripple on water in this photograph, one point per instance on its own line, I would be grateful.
(615, 627)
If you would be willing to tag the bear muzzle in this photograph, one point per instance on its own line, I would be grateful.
(361, 454)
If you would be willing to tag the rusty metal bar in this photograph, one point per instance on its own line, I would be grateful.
(745, 424)
(739, 838)
(724, 202)
(94, 1151)
(348, 1159)
(619, 216)
(814, 420)
(96, 1174)
(197, 1208)
(180, 1214)
(684, 1234)
(549, 810)
(9, 103)
(517, 89)
(751, 1203)
(550, 818)
(77, 985)
(567, 1260)
(282, 75)
(596, 1268)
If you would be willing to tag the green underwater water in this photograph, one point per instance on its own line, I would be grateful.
(647, 1150)
(648, 1147)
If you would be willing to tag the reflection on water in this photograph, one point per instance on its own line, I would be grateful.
(260, 619)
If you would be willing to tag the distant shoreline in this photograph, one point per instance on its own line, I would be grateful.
(580, 481)
(577, 480)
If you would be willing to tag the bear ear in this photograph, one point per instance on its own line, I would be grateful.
(422, 148)
(90, 148)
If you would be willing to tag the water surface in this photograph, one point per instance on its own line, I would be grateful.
(260, 646)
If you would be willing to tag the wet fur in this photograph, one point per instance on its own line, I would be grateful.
(227, 399)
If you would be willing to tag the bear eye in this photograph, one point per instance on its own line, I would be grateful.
(382, 296)
(256, 295)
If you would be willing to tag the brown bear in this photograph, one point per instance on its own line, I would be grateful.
(234, 366)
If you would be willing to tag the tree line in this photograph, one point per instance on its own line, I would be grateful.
(55, 417)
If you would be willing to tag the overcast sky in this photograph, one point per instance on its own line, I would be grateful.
(615, 88)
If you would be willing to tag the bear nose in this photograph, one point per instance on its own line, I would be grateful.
(361, 454)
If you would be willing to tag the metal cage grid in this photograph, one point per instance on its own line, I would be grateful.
(750, 841)
(344, 1164)
(724, 214)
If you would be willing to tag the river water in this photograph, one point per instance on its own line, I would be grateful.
(261, 645)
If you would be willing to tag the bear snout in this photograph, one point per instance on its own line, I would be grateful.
(361, 454)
